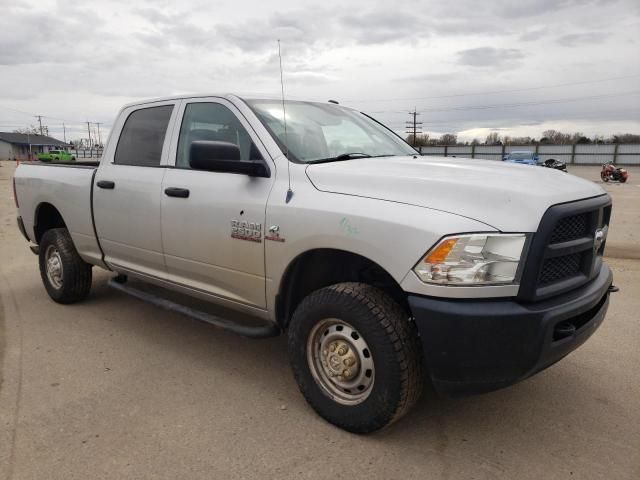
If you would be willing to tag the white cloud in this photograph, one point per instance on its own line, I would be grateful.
(80, 60)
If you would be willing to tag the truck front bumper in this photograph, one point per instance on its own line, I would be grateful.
(482, 345)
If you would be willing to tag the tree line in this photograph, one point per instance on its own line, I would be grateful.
(552, 137)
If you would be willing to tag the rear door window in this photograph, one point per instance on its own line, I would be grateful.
(142, 137)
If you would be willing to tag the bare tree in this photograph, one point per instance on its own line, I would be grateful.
(625, 138)
(493, 139)
(449, 139)
(557, 137)
(419, 141)
(518, 140)
(30, 130)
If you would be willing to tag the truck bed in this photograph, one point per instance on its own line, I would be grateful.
(68, 187)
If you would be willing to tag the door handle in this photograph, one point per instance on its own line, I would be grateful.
(108, 184)
(176, 192)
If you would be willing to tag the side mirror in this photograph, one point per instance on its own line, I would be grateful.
(213, 156)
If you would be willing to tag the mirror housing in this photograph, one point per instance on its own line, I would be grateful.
(214, 156)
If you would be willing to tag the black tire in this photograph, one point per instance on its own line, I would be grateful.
(75, 273)
(394, 347)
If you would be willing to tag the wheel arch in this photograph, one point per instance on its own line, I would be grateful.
(321, 267)
(46, 217)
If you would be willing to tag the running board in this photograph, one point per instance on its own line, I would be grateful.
(261, 331)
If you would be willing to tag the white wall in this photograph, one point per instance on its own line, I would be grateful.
(6, 151)
(626, 154)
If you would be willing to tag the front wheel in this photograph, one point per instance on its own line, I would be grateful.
(66, 277)
(605, 178)
(356, 356)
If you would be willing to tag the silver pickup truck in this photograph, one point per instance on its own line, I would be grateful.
(379, 264)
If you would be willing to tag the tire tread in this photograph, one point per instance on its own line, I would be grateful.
(395, 325)
(77, 274)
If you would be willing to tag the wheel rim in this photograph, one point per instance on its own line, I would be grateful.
(53, 264)
(340, 361)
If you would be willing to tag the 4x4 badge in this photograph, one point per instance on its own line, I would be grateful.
(274, 234)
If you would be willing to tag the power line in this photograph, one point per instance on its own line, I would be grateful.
(78, 122)
(494, 92)
(39, 117)
(518, 104)
(99, 136)
(89, 130)
(416, 126)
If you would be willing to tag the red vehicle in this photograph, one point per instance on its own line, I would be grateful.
(613, 173)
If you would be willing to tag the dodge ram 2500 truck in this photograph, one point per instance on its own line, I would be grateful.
(379, 264)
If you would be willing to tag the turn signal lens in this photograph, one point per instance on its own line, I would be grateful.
(440, 253)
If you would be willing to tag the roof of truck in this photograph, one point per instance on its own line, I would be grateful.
(228, 96)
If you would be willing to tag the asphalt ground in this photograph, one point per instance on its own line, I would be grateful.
(116, 388)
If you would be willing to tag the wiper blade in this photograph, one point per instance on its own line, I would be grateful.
(341, 157)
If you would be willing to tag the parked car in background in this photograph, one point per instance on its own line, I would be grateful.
(525, 157)
(56, 156)
(555, 164)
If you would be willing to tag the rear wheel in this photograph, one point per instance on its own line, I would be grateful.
(66, 277)
(356, 356)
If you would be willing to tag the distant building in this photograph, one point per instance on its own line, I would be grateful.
(15, 146)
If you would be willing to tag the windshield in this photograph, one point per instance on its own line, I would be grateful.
(521, 155)
(319, 132)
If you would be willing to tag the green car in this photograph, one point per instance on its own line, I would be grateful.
(56, 156)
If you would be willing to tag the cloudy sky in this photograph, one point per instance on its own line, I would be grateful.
(518, 67)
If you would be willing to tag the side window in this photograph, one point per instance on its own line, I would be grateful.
(212, 122)
(142, 137)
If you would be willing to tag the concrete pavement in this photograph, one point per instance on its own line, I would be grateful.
(115, 388)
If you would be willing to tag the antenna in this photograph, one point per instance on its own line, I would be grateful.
(284, 120)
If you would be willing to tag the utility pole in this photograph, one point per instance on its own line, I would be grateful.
(99, 136)
(39, 117)
(414, 127)
(89, 131)
(64, 132)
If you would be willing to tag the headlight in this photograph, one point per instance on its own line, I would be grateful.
(475, 259)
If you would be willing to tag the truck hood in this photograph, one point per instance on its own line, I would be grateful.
(505, 196)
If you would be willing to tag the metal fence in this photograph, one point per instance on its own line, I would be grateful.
(578, 154)
(86, 153)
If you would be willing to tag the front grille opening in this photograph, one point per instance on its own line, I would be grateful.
(568, 328)
(558, 268)
(606, 215)
(570, 228)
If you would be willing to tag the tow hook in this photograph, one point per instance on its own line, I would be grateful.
(613, 289)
